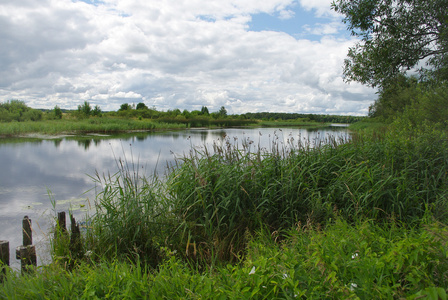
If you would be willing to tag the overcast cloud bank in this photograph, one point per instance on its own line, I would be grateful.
(176, 54)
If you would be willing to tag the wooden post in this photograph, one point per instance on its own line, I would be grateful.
(27, 233)
(27, 252)
(75, 246)
(61, 221)
(4, 252)
(61, 226)
(4, 258)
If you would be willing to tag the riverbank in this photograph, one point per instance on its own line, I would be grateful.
(105, 125)
(361, 219)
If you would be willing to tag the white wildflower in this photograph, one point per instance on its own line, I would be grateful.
(252, 271)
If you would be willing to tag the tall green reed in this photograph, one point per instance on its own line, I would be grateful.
(130, 219)
(219, 196)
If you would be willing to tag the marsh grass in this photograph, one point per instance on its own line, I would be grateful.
(215, 197)
(325, 219)
(293, 123)
(130, 219)
(219, 196)
(97, 125)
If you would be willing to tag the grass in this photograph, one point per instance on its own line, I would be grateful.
(220, 196)
(110, 125)
(295, 123)
(97, 125)
(340, 261)
(345, 219)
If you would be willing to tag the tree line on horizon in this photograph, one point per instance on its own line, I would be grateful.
(18, 111)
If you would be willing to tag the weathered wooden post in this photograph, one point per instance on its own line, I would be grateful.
(27, 233)
(75, 246)
(27, 252)
(4, 258)
(4, 252)
(62, 225)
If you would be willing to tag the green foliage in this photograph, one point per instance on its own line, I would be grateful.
(302, 117)
(220, 197)
(97, 111)
(222, 112)
(84, 110)
(99, 125)
(427, 112)
(342, 261)
(394, 97)
(396, 36)
(141, 105)
(413, 106)
(125, 106)
(15, 110)
(204, 111)
(57, 112)
(129, 216)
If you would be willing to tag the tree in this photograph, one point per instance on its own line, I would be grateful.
(85, 109)
(396, 35)
(204, 111)
(222, 112)
(97, 111)
(125, 106)
(57, 112)
(141, 105)
(395, 97)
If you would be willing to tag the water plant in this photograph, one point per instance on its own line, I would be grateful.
(218, 196)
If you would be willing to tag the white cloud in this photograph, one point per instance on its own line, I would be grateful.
(320, 7)
(182, 55)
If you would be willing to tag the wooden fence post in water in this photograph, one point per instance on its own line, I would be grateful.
(61, 221)
(4, 252)
(27, 233)
(27, 252)
(4, 258)
(75, 239)
(61, 226)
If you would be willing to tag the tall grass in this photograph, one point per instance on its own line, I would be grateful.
(98, 125)
(214, 198)
(364, 218)
(131, 220)
(219, 196)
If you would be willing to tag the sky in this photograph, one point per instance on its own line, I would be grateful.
(245, 55)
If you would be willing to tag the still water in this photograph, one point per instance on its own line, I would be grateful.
(40, 177)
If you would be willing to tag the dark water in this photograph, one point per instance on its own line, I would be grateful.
(40, 177)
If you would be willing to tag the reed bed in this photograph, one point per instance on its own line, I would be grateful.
(358, 218)
(215, 197)
(97, 125)
(219, 196)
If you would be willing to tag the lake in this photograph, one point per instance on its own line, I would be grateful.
(39, 173)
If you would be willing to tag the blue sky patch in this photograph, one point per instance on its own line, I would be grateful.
(294, 26)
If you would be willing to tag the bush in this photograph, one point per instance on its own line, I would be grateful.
(15, 110)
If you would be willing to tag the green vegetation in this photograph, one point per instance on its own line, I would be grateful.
(340, 261)
(396, 35)
(18, 111)
(97, 125)
(351, 219)
(17, 119)
(362, 218)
